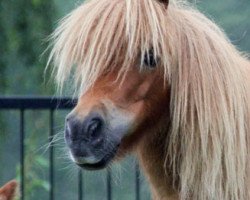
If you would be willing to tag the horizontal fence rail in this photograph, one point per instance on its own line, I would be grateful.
(51, 104)
(36, 103)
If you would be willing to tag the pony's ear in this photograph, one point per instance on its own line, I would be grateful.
(165, 2)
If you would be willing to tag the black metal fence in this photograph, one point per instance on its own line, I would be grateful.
(49, 103)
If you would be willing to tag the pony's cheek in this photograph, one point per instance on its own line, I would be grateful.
(123, 122)
(138, 110)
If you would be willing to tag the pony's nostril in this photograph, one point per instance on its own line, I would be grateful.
(94, 127)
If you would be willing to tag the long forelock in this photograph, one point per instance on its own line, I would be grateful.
(103, 35)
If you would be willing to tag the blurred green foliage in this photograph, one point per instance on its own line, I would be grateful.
(232, 16)
(24, 28)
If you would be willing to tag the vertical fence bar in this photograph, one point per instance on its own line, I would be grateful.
(109, 190)
(80, 185)
(22, 154)
(137, 182)
(51, 156)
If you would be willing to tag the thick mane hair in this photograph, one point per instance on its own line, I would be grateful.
(207, 142)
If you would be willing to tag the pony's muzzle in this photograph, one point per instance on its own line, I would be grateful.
(84, 137)
(94, 139)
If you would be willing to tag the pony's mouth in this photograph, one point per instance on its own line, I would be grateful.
(101, 164)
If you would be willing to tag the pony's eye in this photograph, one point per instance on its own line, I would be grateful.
(149, 59)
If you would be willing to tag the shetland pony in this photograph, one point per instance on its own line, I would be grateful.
(161, 80)
(8, 191)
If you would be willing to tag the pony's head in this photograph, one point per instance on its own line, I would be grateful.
(120, 74)
(146, 67)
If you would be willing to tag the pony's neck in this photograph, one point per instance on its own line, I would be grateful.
(151, 154)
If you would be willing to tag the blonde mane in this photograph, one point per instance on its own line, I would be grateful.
(207, 145)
